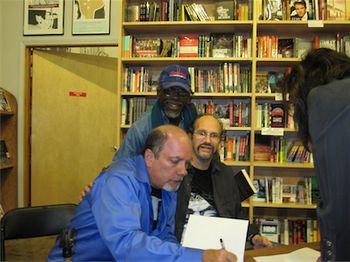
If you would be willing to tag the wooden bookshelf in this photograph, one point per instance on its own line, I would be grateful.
(8, 171)
(252, 28)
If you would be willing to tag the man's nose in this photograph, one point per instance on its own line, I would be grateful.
(207, 138)
(183, 169)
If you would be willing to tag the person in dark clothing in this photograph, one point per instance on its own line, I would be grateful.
(319, 91)
(210, 188)
(173, 107)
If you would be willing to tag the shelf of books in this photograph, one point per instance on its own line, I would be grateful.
(236, 52)
(8, 150)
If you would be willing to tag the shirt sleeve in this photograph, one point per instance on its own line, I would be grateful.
(133, 142)
(118, 214)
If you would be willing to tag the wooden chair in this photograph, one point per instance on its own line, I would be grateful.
(30, 222)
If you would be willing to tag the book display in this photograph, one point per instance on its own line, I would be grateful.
(236, 59)
(8, 150)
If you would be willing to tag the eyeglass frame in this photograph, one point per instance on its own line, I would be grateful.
(202, 134)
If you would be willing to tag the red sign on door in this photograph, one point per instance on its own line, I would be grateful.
(76, 93)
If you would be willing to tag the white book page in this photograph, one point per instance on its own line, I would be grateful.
(205, 233)
(303, 254)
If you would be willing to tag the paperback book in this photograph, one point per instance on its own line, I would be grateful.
(245, 185)
(222, 44)
(224, 10)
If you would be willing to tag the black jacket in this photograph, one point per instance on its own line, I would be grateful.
(329, 126)
(226, 197)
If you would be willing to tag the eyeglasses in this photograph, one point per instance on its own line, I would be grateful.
(202, 134)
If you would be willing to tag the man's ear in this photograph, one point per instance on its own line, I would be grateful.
(149, 157)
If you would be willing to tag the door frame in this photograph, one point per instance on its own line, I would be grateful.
(28, 111)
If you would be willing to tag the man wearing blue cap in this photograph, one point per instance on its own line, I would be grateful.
(172, 107)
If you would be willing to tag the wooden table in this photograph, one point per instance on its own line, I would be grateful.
(249, 254)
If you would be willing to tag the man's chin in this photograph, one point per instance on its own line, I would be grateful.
(205, 157)
(171, 187)
(172, 114)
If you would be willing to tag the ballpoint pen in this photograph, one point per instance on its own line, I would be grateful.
(222, 243)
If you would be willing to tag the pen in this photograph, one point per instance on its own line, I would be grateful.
(222, 243)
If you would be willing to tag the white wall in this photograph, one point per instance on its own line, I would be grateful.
(12, 47)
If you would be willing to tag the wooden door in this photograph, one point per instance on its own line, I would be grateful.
(74, 123)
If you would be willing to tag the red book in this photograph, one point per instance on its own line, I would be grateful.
(231, 114)
(188, 45)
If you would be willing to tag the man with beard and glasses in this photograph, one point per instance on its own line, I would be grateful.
(172, 107)
(114, 221)
(210, 188)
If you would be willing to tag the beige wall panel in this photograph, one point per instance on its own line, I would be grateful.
(72, 136)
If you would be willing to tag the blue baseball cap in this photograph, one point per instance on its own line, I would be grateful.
(175, 76)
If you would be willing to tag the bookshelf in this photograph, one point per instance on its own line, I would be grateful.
(253, 28)
(8, 169)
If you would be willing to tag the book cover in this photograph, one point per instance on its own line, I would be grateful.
(286, 47)
(245, 184)
(188, 45)
(259, 196)
(222, 44)
(336, 10)
(270, 228)
(4, 104)
(273, 10)
(4, 153)
(133, 13)
(148, 47)
(224, 10)
(277, 115)
(301, 47)
(191, 13)
(273, 79)
(300, 10)
(289, 193)
(261, 83)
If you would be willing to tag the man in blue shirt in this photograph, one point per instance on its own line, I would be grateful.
(115, 219)
(172, 107)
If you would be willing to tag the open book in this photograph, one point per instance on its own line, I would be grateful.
(245, 185)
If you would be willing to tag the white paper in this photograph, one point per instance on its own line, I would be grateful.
(272, 131)
(205, 232)
(304, 254)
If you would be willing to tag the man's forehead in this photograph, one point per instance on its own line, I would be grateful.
(175, 147)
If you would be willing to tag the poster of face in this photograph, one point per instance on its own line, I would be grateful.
(43, 17)
(91, 17)
(299, 10)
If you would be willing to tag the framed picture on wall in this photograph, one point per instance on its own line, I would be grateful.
(91, 17)
(43, 17)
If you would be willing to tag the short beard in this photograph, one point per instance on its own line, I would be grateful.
(206, 157)
(169, 188)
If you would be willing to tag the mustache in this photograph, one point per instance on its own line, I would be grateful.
(206, 144)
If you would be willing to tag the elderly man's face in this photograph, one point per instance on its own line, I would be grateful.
(172, 100)
(168, 169)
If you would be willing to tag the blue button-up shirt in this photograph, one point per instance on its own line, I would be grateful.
(114, 220)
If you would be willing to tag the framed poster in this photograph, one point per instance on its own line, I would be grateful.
(43, 17)
(91, 17)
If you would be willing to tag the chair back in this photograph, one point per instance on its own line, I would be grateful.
(29, 222)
